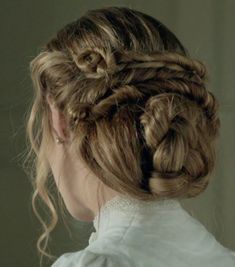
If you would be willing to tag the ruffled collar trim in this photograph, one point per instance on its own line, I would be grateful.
(126, 205)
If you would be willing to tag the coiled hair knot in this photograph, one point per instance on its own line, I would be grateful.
(95, 62)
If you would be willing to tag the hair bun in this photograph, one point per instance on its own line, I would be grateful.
(95, 62)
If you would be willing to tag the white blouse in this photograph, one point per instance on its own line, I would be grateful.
(133, 233)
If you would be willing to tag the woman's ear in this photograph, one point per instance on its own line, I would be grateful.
(57, 119)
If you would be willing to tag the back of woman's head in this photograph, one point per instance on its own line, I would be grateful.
(143, 120)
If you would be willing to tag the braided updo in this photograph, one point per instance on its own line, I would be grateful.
(143, 119)
(175, 112)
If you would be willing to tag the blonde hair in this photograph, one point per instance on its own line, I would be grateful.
(143, 119)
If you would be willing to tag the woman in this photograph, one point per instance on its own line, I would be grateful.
(123, 119)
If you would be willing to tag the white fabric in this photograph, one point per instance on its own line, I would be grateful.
(132, 233)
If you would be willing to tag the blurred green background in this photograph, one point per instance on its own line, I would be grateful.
(205, 27)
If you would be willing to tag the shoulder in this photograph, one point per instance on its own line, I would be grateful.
(87, 258)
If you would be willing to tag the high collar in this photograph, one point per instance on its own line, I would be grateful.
(120, 211)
